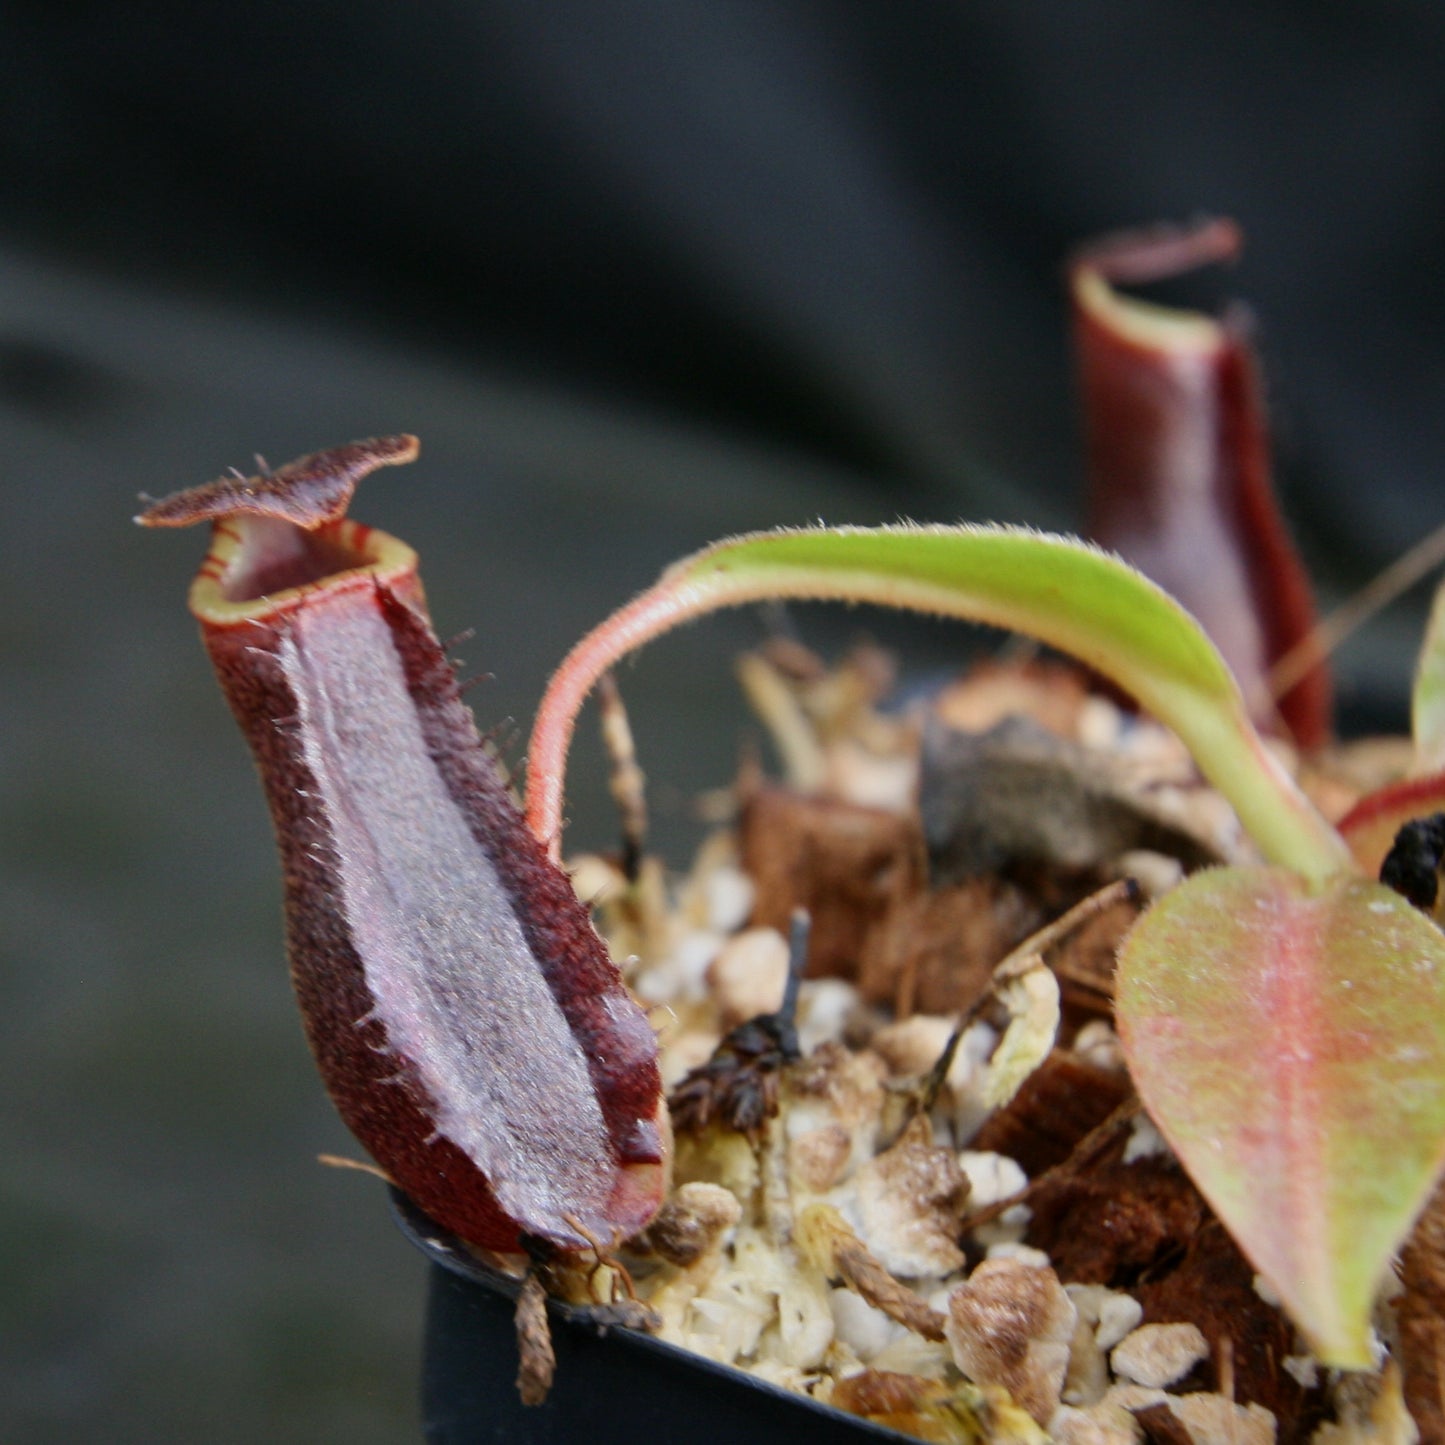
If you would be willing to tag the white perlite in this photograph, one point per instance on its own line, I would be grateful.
(1267, 1292)
(748, 975)
(864, 1330)
(1145, 1140)
(1113, 1313)
(1113, 1426)
(1213, 1420)
(1303, 1369)
(1159, 1355)
(992, 1177)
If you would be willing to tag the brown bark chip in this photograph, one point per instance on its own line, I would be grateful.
(1058, 1104)
(1161, 1426)
(1084, 963)
(849, 866)
(1421, 1312)
(1213, 1287)
(934, 952)
(1143, 1227)
(1102, 1221)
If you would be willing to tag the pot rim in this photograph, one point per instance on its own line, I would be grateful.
(448, 1252)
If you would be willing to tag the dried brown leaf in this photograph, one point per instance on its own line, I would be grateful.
(537, 1363)
(827, 1242)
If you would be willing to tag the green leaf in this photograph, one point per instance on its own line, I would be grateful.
(1290, 1045)
(1427, 705)
(1059, 590)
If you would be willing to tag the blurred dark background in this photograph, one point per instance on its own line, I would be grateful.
(638, 274)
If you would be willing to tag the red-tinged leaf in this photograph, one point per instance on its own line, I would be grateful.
(1371, 826)
(1179, 462)
(1290, 1045)
(1071, 596)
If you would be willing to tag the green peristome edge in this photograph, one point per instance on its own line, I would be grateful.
(1290, 1045)
(1064, 592)
(1427, 702)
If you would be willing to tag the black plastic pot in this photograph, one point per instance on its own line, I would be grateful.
(612, 1385)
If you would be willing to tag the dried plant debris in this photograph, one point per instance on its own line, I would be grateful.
(537, 1364)
(917, 1185)
(827, 1243)
(934, 1410)
(1018, 793)
(691, 1225)
(737, 1088)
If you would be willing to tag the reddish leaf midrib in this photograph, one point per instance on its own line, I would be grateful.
(1291, 1012)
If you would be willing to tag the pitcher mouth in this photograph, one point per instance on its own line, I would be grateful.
(277, 536)
(258, 566)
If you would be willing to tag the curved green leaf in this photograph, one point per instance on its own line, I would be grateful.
(1290, 1045)
(1063, 592)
